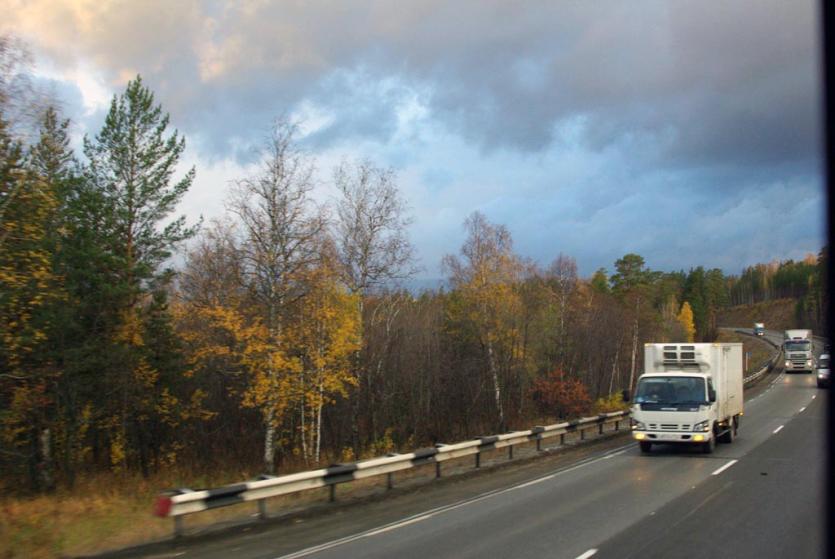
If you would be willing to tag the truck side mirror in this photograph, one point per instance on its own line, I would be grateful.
(625, 395)
(711, 395)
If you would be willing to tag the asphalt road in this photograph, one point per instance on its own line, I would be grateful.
(761, 496)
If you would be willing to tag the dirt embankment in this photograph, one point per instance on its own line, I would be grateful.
(779, 314)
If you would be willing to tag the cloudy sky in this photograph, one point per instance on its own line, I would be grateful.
(688, 132)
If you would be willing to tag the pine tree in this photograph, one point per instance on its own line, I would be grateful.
(29, 289)
(127, 193)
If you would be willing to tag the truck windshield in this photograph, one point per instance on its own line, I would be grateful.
(671, 390)
(800, 345)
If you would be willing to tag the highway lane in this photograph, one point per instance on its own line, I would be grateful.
(562, 514)
(567, 514)
(768, 504)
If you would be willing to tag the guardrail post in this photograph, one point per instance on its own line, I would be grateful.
(617, 425)
(562, 438)
(538, 444)
(262, 509)
(178, 526)
(437, 469)
(332, 492)
(389, 480)
(477, 459)
(582, 434)
(600, 432)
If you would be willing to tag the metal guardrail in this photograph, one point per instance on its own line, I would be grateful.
(771, 362)
(179, 502)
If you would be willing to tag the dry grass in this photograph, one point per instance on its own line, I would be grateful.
(101, 512)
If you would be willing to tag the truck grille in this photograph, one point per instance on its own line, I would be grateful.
(668, 427)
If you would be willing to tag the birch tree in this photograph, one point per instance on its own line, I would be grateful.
(486, 275)
(373, 245)
(280, 225)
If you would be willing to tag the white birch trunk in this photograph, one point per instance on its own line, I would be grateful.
(497, 391)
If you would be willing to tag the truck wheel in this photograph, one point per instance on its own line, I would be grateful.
(646, 446)
(709, 446)
(729, 435)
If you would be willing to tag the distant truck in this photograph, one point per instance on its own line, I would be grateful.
(688, 394)
(759, 329)
(797, 350)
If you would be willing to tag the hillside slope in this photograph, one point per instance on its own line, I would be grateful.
(779, 314)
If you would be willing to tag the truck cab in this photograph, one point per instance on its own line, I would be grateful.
(689, 394)
(759, 329)
(797, 350)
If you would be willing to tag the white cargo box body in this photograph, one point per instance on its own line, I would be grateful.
(721, 363)
(797, 335)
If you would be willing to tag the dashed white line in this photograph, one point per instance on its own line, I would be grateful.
(814, 396)
(802, 409)
(778, 429)
(723, 468)
(587, 554)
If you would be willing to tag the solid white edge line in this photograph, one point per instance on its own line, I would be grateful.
(587, 554)
(778, 429)
(723, 468)
(445, 508)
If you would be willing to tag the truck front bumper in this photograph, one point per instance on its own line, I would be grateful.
(668, 437)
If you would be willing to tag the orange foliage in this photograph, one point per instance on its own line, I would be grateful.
(562, 397)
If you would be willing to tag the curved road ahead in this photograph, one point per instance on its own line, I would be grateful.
(762, 496)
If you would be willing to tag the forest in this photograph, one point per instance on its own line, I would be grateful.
(281, 335)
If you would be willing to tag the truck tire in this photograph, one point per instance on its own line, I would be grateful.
(646, 446)
(709, 446)
(729, 435)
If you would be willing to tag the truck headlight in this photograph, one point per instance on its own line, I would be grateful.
(808, 362)
(788, 364)
(638, 426)
(702, 426)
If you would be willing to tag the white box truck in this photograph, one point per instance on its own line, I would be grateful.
(759, 329)
(688, 394)
(797, 351)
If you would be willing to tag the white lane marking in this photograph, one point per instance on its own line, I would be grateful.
(587, 554)
(778, 429)
(814, 396)
(802, 409)
(399, 524)
(445, 508)
(723, 468)
(534, 482)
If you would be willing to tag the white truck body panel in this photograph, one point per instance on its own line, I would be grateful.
(720, 365)
(797, 335)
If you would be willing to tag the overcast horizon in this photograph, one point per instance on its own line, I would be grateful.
(686, 134)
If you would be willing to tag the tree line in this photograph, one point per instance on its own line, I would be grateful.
(283, 339)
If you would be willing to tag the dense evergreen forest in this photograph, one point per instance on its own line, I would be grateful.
(283, 339)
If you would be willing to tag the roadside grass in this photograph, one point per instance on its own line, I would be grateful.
(102, 512)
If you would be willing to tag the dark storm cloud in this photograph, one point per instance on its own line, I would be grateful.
(591, 128)
(708, 83)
